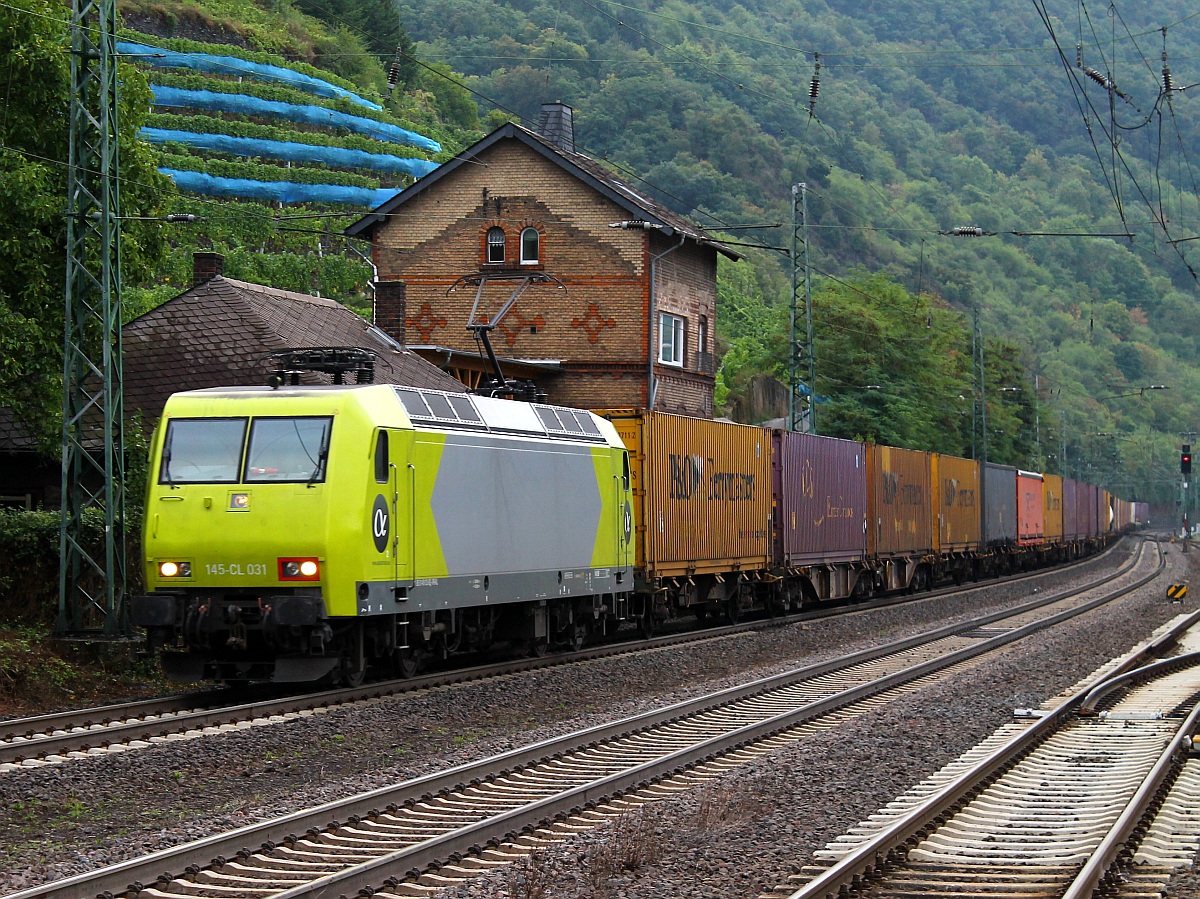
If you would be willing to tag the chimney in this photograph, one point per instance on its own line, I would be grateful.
(555, 125)
(391, 309)
(206, 266)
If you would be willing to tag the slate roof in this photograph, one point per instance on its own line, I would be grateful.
(586, 169)
(220, 333)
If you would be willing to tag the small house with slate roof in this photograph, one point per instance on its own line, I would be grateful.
(219, 333)
(600, 295)
(222, 332)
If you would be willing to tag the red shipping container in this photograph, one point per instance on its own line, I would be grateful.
(1031, 526)
(821, 499)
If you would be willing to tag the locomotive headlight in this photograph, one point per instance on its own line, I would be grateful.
(175, 569)
(299, 569)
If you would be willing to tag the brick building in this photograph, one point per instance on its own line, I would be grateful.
(612, 297)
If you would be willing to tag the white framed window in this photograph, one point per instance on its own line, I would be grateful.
(671, 335)
(495, 245)
(531, 242)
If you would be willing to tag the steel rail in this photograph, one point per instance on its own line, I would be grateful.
(61, 733)
(1101, 867)
(863, 862)
(118, 878)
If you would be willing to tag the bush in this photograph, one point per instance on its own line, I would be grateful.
(29, 544)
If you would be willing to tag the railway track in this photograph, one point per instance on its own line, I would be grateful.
(405, 839)
(27, 743)
(1093, 795)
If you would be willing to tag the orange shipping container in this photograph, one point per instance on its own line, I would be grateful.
(899, 499)
(956, 503)
(1052, 496)
(702, 493)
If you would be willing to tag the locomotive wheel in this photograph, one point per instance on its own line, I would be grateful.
(406, 662)
(579, 635)
(351, 672)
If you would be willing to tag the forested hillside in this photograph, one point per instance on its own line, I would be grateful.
(1046, 128)
(925, 116)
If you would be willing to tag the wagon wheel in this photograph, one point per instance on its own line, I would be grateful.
(645, 624)
(733, 609)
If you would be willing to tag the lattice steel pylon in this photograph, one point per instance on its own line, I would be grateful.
(91, 596)
(803, 357)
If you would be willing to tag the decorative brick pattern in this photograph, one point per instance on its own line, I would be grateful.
(593, 324)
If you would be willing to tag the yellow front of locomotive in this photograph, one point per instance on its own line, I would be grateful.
(246, 566)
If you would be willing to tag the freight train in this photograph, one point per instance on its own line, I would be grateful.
(310, 533)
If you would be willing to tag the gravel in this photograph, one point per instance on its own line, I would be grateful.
(737, 837)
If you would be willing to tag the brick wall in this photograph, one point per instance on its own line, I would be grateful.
(595, 324)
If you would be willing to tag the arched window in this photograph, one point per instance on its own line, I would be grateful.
(495, 245)
(530, 246)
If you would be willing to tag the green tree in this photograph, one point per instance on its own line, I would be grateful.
(34, 134)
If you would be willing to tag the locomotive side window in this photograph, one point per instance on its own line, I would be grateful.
(288, 449)
(381, 458)
(202, 451)
(625, 470)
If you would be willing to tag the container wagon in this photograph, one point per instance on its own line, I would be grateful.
(900, 516)
(957, 524)
(820, 516)
(701, 510)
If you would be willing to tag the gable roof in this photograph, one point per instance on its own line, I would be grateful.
(220, 333)
(586, 169)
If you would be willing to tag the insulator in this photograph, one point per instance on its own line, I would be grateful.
(393, 73)
(814, 88)
(1079, 55)
(968, 231)
(1100, 79)
(1167, 85)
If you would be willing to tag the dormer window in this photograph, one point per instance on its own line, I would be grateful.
(495, 245)
(530, 246)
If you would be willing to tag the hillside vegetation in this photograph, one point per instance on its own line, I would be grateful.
(928, 115)
(904, 121)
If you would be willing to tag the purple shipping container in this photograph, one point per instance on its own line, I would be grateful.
(999, 504)
(821, 499)
(1073, 523)
(1088, 501)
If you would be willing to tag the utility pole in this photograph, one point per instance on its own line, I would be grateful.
(91, 598)
(803, 355)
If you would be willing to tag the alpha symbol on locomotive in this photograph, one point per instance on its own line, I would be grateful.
(380, 523)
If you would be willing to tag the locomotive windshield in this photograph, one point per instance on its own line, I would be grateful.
(202, 451)
(288, 449)
(210, 450)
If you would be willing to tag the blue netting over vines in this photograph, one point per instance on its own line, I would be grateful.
(231, 65)
(291, 151)
(279, 191)
(310, 115)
